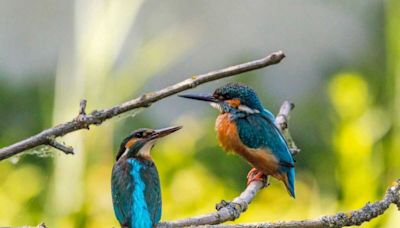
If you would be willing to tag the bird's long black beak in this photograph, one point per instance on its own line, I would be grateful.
(200, 97)
(159, 133)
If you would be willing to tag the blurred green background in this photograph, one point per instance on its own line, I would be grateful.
(342, 71)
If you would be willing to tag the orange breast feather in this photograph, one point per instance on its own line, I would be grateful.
(228, 137)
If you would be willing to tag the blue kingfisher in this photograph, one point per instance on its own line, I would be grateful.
(245, 127)
(135, 183)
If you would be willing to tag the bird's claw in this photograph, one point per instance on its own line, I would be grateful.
(256, 175)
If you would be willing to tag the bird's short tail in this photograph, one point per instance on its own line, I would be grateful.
(289, 182)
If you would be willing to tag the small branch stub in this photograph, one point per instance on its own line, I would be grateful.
(82, 107)
(59, 146)
(82, 117)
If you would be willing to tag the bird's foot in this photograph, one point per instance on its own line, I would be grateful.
(234, 208)
(256, 175)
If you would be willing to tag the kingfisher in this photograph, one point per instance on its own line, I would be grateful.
(135, 184)
(245, 127)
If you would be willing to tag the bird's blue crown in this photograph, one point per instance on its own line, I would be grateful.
(244, 93)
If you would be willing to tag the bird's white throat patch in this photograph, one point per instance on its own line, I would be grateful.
(145, 150)
(242, 108)
(216, 106)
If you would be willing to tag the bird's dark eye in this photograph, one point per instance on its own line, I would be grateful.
(139, 135)
(219, 97)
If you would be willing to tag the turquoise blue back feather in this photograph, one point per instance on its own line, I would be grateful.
(136, 193)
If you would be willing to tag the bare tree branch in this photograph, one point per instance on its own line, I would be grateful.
(229, 211)
(341, 219)
(83, 121)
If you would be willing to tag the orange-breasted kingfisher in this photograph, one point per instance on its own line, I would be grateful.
(135, 184)
(244, 126)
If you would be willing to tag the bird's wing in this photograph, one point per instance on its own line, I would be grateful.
(152, 191)
(121, 187)
(256, 131)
